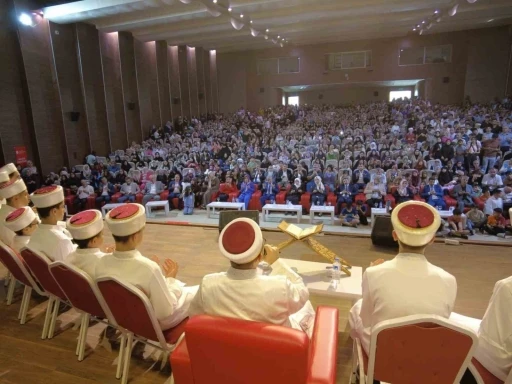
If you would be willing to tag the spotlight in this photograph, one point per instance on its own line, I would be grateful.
(414, 29)
(418, 26)
(242, 15)
(278, 36)
(436, 12)
(251, 21)
(230, 9)
(25, 19)
(267, 30)
(214, 1)
(423, 22)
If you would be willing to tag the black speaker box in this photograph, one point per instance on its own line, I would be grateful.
(227, 217)
(382, 232)
(74, 116)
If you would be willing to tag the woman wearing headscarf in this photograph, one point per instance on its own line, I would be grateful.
(295, 192)
(318, 192)
(403, 193)
(445, 177)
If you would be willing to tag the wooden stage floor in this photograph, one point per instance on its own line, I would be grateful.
(25, 358)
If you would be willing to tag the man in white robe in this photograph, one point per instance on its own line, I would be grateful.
(408, 284)
(242, 292)
(51, 238)
(23, 222)
(86, 228)
(15, 193)
(168, 296)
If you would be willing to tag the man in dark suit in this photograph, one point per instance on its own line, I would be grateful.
(345, 193)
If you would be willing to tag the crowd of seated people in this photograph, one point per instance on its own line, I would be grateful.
(378, 153)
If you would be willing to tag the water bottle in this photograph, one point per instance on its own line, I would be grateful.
(273, 201)
(336, 269)
(380, 204)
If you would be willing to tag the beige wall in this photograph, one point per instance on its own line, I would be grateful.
(240, 85)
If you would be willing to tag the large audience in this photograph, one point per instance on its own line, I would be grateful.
(366, 156)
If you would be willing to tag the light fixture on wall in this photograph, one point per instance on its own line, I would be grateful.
(453, 11)
(242, 15)
(267, 30)
(25, 19)
(472, 1)
(230, 9)
(214, 1)
(436, 12)
(250, 21)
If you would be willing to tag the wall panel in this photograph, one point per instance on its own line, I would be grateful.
(184, 81)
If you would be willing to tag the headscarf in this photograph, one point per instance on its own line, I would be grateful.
(297, 182)
(320, 185)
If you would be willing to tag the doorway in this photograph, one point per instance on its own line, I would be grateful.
(399, 95)
(293, 100)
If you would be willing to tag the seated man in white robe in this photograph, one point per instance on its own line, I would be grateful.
(16, 196)
(11, 174)
(241, 292)
(168, 296)
(23, 222)
(408, 284)
(50, 238)
(86, 228)
(494, 332)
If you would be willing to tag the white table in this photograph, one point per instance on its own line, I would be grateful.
(328, 209)
(382, 212)
(109, 207)
(210, 208)
(155, 204)
(315, 276)
(282, 208)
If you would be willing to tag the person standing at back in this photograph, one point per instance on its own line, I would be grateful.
(408, 284)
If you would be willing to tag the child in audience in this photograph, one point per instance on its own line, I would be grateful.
(23, 222)
(476, 218)
(349, 216)
(496, 223)
(457, 225)
(188, 201)
(87, 230)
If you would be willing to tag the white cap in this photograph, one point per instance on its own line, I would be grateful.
(4, 177)
(241, 241)
(20, 219)
(12, 188)
(126, 220)
(9, 168)
(415, 222)
(85, 225)
(47, 196)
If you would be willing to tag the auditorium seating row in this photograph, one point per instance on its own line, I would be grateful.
(224, 350)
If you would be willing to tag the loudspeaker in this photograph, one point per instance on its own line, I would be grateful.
(131, 106)
(262, 90)
(176, 100)
(227, 217)
(376, 93)
(382, 232)
(74, 116)
(446, 79)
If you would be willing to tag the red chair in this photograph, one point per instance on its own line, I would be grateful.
(38, 264)
(420, 349)
(254, 203)
(281, 196)
(483, 376)
(132, 311)
(231, 351)
(82, 293)
(19, 272)
(305, 201)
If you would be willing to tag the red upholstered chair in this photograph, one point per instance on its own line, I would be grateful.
(305, 201)
(420, 349)
(38, 264)
(83, 294)
(133, 313)
(254, 203)
(281, 196)
(91, 202)
(231, 351)
(480, 203)
(483, 376)
(19, 272)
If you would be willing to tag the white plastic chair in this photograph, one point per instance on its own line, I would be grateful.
(419, 349)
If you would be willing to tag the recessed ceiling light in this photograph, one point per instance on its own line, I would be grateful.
(414, 29)
(251, 21)
(436, 12)
(423, 22)
(214, 1)
(418, 26)
(230, 9)
(490, 20)
(267, 30)
(278, 36)
(242, 15)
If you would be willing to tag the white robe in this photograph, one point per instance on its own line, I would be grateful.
(406, 285)
(494, 331)
(85, 259)
(170, 300)
(6, 235)
(20, 242)
(52, 241)
(279, 298)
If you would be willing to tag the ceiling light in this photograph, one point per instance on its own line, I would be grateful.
(471, 1)
(414, 29)
(418, 26)
(282, 45)
(278, 36)
(266, 37)
(267, 30)
(490, 20)
(421, 31)
(242, 15)
(423, 22)
(25, 19)
(436, 12)
(214, 1)
(453, 11)
(438, 19)
(251, 21)
(230, 9)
